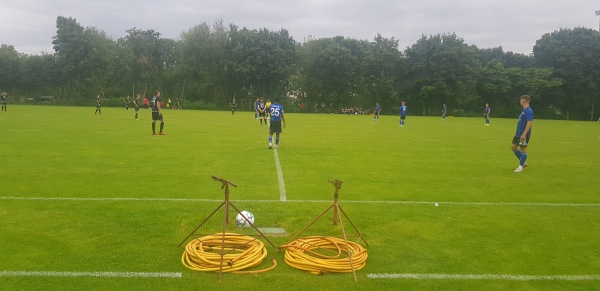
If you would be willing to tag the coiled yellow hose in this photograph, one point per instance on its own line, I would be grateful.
(240, 252)
(320, 254)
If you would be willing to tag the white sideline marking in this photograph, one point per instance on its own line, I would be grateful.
(89, 274)
(282, 195)
(440, 203)
(485, 277)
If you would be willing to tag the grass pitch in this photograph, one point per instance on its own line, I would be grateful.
(89, 193)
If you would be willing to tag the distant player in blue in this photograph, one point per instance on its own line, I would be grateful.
(256, 108)
(402, 114)
(277, 116)
(444, 111)
(377, 111)
(521, 138)
(486, 114)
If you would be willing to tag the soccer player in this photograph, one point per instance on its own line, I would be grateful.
(523, 133)
(402, 114)
(276, 119)
(268, 107)
(157, 114)
(262, 111)
(256, 108)
(136, 105)
(127, 101)
(3, 100)
(486, 114)
(98, 105)
(444, 110)
(233, 105)
(377, 111)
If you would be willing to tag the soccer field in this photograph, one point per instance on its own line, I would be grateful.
(97, 202)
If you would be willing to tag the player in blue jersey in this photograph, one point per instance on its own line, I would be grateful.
(377, 111)
(523, 133)
(486, 114)
(277, 116)
(444, 111)
(402, 114)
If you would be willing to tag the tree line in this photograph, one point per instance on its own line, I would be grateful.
(211, 64)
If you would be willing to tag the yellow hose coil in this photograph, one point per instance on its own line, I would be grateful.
(320, 254)
(240, 252)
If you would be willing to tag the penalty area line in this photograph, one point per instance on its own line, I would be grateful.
(486, 277)
(90, 274)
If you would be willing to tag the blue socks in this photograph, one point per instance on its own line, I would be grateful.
(518, 154)
(277, 140)
(523, 159)
(270, 139)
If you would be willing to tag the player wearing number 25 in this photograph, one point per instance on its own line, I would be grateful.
(277, 116)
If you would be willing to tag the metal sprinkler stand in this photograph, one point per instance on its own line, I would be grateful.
(227, 203)
(337, 218)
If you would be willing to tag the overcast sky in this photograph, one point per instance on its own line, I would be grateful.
(515, 25)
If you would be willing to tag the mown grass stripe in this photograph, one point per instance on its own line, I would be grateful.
(440, 204)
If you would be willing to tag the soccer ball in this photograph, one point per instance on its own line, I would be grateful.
(241, 222)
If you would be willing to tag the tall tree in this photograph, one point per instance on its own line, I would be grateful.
(442, 69)
(574, 56)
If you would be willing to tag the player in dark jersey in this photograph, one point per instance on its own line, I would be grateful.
(136, 105)
(402, 114)
(486, 114)
(157, 113)
(3, 100)
(127, 101)
(262, 111)
(233, 105)
(444, 111)
(277, 116)
(98, 105)
(523, 133)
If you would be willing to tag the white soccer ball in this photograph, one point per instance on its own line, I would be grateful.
(241, 222)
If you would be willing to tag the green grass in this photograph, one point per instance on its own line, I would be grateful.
(543, 222)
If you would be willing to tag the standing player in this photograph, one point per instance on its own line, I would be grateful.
(444, 111)
(486, 114)
(157, 114)
(233, 105)
(276, 119)
(402, 114)
(262, 111)
(377, 111)
(136, 105)
(521, 138)
(127, 101)
(98, 110)
(3, 100)
(256, 108)
(268, 103)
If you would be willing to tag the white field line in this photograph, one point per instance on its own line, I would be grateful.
(486, 277)
(282, 195)
(440, 203)
(89, 274)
